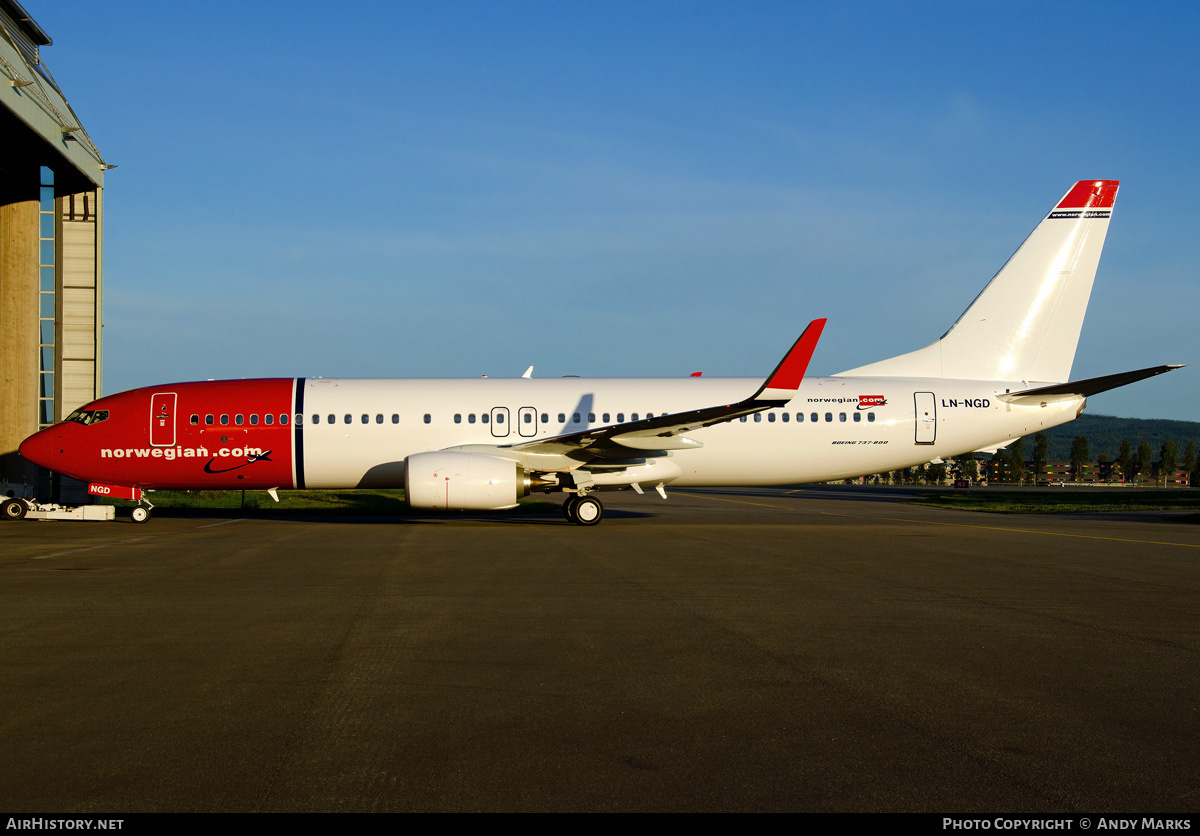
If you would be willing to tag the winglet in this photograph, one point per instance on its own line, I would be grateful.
(782, 383)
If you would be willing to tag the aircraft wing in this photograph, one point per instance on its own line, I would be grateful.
(666, 432)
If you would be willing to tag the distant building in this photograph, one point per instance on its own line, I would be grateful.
(51, 243)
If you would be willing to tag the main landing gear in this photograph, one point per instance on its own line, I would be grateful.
(583, 510)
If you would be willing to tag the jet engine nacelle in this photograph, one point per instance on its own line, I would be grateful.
(463, 481)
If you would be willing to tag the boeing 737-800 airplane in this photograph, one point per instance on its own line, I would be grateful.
(999, 373)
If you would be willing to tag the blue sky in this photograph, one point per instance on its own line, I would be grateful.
(621, 189)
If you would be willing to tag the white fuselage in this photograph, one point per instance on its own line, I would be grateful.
(358, 432)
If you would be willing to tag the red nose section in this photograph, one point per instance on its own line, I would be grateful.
(39, 448)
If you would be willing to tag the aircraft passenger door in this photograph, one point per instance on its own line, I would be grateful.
(162, 419)
(926, 417)
(527, 421)
(500, 421)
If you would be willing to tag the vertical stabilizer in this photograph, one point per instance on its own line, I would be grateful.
(1025, 324)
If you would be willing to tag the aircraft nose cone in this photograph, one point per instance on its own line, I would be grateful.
(39, 448)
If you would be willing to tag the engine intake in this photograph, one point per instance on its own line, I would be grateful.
(463, 481)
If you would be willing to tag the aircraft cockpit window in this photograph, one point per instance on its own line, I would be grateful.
(88, 416)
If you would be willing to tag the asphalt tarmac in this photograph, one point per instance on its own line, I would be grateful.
(725, 650)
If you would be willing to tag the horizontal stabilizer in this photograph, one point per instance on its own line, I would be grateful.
(1091, 386)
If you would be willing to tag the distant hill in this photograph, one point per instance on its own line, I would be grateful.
(1104, 434)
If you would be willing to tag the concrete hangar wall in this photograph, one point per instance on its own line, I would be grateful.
(51, 242)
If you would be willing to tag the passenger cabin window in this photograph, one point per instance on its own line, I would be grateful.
(842, 417)
(562, 418)
(591, 417)
(254, 419)
(379, 418)
(224, 419)
(771, 417)
(828, 417)
(799, 417)
(784, 416)
(576, 418)
(346, 419)
(208, 419)
(620, 417)
(545, 418)
(857, 417)
(283, 419)
(428, 418)
(458, 417)
(316, 419)
(483, 417)
(758, 417)
(238, 419)
(268, 419)
(471, 418)
(813, 417)
(194, 420)
(366, 419)
(606, 418)
(633, 417)
(870, 417)
(528, 418)
(395, 418)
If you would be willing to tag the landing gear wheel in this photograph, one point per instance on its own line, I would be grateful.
(139, 514)
(13, 509)
(568, 507)
(587, 511)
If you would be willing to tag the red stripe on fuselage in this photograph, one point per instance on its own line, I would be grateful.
(119, 451)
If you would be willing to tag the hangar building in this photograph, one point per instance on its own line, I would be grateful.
(51, 243)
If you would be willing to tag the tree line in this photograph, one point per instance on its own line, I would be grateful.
(1010, 465)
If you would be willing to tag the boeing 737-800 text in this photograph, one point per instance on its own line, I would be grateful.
(999, 373)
